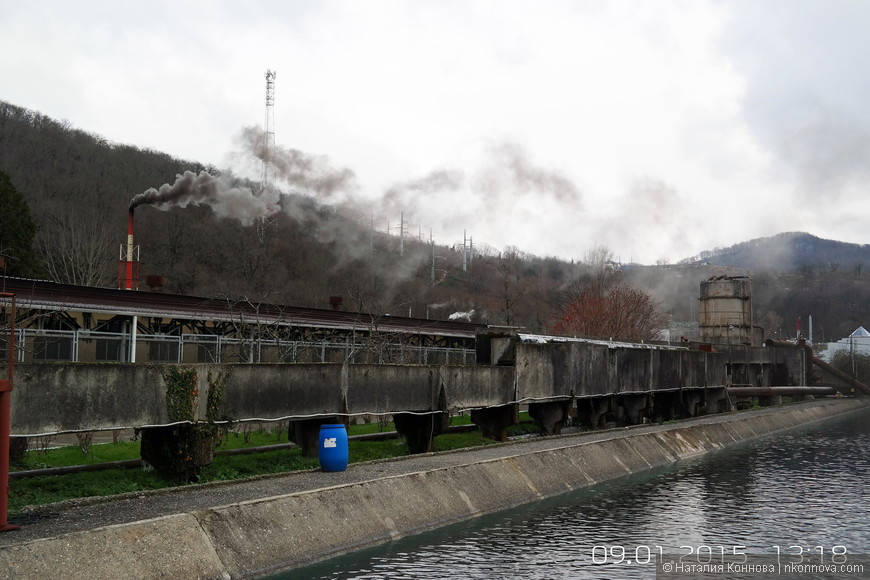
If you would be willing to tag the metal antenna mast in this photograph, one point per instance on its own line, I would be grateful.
(268, 148)
(269, 133)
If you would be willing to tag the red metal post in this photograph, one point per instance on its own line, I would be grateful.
(5, 421)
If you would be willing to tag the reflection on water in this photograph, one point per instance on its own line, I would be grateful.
(804, 487)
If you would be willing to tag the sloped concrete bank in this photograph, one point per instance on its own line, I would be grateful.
(263, 536)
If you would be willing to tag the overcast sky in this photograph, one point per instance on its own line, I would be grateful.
(657, 128)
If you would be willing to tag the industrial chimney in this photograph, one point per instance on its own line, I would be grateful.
(128, 264)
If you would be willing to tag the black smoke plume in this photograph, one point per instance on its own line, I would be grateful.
(205, 189)
(311, 173)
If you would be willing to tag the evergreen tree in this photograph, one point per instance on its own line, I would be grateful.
(17, 230)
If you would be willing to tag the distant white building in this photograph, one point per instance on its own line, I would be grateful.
(858, 342)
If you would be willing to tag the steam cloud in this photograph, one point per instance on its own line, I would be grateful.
(437, 181)
(511, 164)
(506, 174)
(462, 316)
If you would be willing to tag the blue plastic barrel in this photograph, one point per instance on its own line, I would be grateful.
(332, 447)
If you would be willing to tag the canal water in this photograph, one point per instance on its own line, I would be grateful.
(802, 493)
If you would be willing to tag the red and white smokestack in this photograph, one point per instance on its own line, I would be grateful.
(128, 267)
(130, 250)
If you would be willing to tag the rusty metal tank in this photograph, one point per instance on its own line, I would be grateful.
(725, 312)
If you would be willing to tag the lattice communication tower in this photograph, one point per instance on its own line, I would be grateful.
(269, 132)
(268, 151)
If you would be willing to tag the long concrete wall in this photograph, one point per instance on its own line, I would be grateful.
(61, 397)
(256, 538)
(565, 369)
(57, 397)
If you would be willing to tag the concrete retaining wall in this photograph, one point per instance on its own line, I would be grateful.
(54, 398)
(60, 397)
(554, 369)
(264, 536)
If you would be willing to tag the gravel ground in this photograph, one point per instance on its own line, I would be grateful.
(90, 513)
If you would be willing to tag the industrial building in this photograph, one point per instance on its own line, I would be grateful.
(64, 322)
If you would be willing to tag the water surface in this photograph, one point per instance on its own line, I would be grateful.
(805, 487)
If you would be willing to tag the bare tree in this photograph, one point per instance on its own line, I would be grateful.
(621, 312)
(76, 248)
(597, 272)
(597, 256)
(512, 291)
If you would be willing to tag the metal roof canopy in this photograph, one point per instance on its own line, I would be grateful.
(45, 295)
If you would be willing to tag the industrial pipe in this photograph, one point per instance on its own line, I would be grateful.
(855, 383)
(752, 391)
(777, 342)
(851, 381)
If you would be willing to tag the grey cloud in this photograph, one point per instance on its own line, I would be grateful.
(805, 88)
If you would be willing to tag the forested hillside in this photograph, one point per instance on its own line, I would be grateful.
(77, 187)
(788, 251)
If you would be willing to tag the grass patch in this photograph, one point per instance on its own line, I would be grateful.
(72, 455)
(37, 491)
(226, 467)
(524, 427)
(42, 490)
(453, 441)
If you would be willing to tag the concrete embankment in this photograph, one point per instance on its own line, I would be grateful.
(329, 514)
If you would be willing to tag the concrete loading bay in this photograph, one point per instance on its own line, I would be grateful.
(594, 383)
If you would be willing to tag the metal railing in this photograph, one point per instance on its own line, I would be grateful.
(39, 345)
